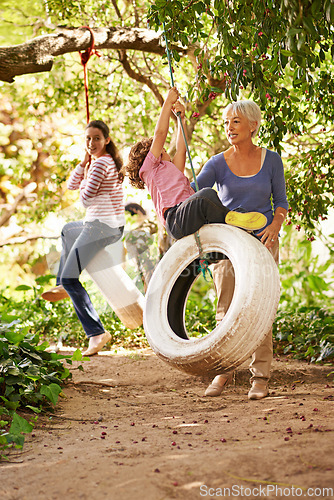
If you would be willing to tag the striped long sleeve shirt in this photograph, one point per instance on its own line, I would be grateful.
(101, 192)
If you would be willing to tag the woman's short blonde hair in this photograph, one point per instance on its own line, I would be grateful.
(247, 108)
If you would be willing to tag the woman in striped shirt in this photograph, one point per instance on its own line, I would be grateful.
(99, 180)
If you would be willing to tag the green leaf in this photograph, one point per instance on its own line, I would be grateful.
(77, 355)
(14, 337)
(20, 424)
(9, 318)
(294, 31)
(18, 439)
(286, 53)
(42, 280)
(307, 22)
(33, 372)
(14, 371)
(51, 391)
(176, 55)
(23, 288)
(43, 346)
(317, 283)
(34, 409)
(10, 405)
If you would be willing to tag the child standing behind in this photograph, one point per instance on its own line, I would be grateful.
(180, 209)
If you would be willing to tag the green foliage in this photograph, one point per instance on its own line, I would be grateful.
(12, 27)
(45, 319)
(305, 280)
(304, 325)
(310, 190)
(31, 379)
(200, 311)
(280, 54)
(57, 320)
(254, 43)
(306, 333)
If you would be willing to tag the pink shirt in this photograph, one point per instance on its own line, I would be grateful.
(166, 184)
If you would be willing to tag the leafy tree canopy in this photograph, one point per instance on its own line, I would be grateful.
(278, 53)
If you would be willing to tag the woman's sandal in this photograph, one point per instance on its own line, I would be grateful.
(217, 385)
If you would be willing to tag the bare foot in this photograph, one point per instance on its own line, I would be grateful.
(96, 343)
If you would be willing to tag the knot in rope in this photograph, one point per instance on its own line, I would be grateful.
(204, 268)
(85, 56)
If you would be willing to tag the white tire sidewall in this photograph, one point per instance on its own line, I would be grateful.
(248, 319)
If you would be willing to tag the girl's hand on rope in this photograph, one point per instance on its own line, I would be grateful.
(179, 108)
(86, 164)
(172, 96)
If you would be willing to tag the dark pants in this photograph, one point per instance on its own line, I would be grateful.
(203, 207)
(81, 241)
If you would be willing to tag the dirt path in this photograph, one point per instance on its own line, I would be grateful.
(131, 427)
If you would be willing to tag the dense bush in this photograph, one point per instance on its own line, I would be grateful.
(31, 379)
(304, 325)
(305, 334)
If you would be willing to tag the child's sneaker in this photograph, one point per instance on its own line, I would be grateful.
(251, 221)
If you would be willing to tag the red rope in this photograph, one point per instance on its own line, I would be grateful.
(85, 56)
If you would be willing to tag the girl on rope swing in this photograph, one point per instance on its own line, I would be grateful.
(99, 179)
(180, 209)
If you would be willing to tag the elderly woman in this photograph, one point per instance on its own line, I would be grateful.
(248, 178)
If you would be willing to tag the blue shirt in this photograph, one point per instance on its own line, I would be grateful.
(262, 192)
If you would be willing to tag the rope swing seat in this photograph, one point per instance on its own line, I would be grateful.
(125, 299)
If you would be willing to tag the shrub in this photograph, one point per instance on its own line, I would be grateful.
(305, 334)
(31, 380)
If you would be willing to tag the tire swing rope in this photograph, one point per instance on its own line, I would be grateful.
(203, 263)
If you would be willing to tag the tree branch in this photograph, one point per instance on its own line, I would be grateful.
(23, 239)
(139, 77)
(23, 194)
(118, 12)
(38, 54)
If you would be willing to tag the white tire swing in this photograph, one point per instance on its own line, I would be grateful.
(248, 319)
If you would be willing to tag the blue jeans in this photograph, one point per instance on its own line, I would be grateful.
(203, 207)
(81, 241)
